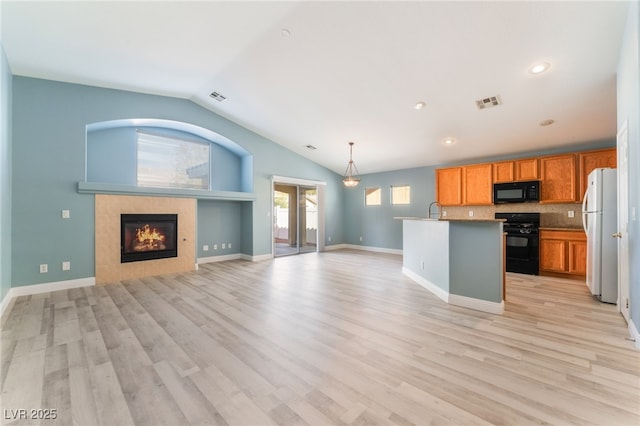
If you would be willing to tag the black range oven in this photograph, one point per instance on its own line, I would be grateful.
(523, 241)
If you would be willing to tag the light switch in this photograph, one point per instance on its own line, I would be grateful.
(571, 213)
(66, 266)
(205, 248)
(66, 214)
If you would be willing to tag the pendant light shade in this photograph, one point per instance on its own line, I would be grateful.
(351, 174)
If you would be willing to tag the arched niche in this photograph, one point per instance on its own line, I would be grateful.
(111, 153)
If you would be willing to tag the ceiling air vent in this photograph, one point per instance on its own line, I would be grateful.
(217, 96)
(489, 102)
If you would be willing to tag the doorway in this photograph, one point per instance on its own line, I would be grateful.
(295, 219)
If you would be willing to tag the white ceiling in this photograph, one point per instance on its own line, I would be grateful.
(348, 71)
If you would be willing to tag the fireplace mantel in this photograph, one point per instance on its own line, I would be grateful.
(113, 189)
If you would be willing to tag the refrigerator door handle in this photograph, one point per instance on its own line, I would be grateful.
(584, 211)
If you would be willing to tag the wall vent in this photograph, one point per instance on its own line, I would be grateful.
(489, 102)
(217, 96)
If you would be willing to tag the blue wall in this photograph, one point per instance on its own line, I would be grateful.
(5, 175)
(629, 109)
(49, 129)
(376, 224)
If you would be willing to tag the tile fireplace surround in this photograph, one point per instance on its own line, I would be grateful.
(107, 223)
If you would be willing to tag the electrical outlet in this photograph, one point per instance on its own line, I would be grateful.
(215, 247)
(361, 238)
(205, 247)
(444, 213)
(229, 245)
(66, 214)
(66, 266)
(571, 213)
(329, 238)
(44, 268)
(470, 213)
(224, 246)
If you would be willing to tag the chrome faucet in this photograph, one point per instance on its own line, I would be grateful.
(438, 211)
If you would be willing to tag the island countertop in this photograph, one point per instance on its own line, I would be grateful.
(444, 219)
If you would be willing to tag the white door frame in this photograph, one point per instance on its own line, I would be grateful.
(622, 139)
(320, 186)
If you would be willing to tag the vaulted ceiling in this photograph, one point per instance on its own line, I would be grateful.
(326, 73)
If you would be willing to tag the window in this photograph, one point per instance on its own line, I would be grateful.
(165, 162)
(372, 196)
(401, 194)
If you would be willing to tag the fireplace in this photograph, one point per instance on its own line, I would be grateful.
(148, 236)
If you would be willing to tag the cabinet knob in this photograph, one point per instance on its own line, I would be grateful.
(617, 235)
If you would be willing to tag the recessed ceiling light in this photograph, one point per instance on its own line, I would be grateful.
(548, 122)
(539, 68)
(448, 141)
(420, 105)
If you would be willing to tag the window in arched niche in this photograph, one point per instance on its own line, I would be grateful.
(121, 152)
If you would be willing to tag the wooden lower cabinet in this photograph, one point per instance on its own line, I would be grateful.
(563, 252)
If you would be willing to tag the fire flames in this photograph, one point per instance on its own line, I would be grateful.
(148, 239)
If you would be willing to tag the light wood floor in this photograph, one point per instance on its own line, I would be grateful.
(333, 338)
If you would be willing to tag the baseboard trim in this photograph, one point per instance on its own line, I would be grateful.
(437, 291)
(221, 258)
(633, 332)
(28, 290)
(364, 248)
(455, 299)
(477, 304)
(258, 258)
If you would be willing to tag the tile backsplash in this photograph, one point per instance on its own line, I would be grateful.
(551, 215)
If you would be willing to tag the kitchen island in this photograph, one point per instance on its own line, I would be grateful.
(460, 261)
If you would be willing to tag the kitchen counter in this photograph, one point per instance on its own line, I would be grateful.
(460, 261)
(546, 228)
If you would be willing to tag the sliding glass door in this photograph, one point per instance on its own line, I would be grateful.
(295, 219)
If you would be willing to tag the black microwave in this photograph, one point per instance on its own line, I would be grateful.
(516, 192)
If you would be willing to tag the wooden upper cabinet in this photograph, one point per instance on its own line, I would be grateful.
(504, 171)
(526, 169)
(590, 160)
(449, 186)
(558, 179)
(516, 170)
(477, 184)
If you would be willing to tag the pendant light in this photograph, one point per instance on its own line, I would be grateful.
(351, 180)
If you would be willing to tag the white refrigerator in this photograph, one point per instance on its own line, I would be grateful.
(600, 220)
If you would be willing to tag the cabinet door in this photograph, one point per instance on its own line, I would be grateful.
(449, 186)
(478, 185)
(558, 179)
(592, 160)
(552, 255)
(527, 169)
(503, 171)
(578, 257)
